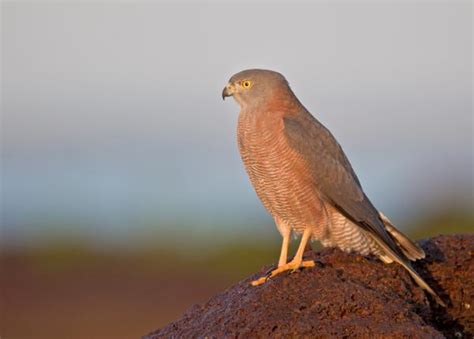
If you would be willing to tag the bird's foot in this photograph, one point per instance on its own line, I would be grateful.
(292, 265)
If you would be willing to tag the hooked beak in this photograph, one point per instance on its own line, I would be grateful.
(227, 91)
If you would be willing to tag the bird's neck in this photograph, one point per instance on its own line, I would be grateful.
(268, 117)
(279, 104)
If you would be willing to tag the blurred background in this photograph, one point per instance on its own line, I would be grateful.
(123, 197)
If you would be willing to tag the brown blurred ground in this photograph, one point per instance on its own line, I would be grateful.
(79, 293)
(104, 297)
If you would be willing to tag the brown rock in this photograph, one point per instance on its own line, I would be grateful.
(345, 295)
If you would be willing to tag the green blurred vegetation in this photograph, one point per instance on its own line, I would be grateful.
(212, 252)
(443, 222)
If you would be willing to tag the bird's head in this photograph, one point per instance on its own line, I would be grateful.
(253, 87)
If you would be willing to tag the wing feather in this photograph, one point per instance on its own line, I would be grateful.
(332, 174)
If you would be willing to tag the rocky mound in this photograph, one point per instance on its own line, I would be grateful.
(345, 295)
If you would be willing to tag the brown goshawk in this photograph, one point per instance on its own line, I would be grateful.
(304, 179)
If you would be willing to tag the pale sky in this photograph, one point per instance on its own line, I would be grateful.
(112, 113)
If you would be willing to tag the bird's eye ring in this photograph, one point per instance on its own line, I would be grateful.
(246, 84)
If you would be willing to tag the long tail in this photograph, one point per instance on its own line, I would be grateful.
(410, 249)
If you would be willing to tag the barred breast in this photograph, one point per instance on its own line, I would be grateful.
(273, 169)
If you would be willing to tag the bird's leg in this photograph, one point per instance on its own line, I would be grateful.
(297, 261)
(294, 264)
(284, 248)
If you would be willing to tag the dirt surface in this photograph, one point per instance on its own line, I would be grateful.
(345, 295)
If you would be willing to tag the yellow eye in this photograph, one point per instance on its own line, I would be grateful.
(246, 84)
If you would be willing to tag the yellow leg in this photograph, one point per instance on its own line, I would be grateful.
(295, 264)
(284, 249)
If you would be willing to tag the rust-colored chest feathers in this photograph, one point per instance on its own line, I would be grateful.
(276, 170)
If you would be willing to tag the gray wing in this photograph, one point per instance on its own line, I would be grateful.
(332, 174)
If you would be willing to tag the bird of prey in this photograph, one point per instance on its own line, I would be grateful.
(304, 179)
